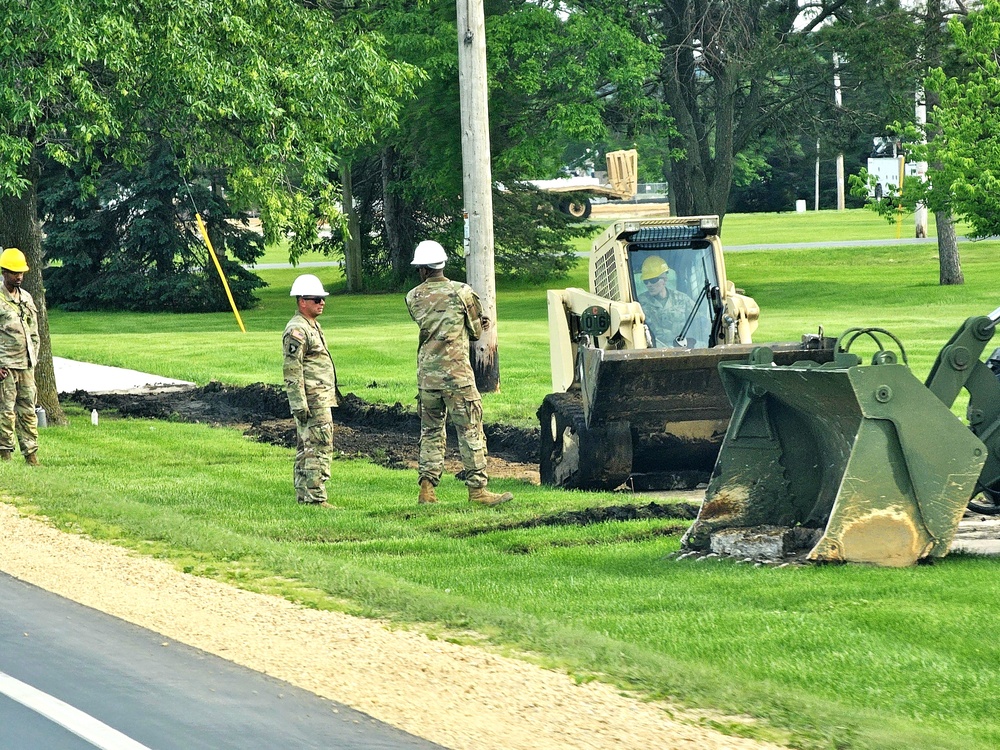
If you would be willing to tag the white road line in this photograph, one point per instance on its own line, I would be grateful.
(82, 725)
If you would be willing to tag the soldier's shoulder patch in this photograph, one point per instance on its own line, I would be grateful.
(297, 333)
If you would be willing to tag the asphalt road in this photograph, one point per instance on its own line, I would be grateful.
(137, 689)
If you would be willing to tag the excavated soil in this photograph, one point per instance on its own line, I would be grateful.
(456, 695)
(386, 435)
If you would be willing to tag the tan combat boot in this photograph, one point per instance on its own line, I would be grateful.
(483, 496)
(4, 455)
(427, 494)
(32, 459)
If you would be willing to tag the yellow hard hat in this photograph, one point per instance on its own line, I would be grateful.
(654, 266)
(13, 259)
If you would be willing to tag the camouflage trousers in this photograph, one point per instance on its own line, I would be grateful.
(465, 407)
(313, 453)
(17, 411)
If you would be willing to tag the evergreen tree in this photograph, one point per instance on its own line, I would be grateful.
(132, 243)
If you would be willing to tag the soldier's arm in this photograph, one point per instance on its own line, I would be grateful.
(423, 335)
(293, 346)
(475, 321)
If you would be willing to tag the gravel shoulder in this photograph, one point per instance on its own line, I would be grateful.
(458, 696)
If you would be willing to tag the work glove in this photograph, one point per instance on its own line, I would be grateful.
(301, 415)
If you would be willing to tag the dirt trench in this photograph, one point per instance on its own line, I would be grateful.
(386, 435)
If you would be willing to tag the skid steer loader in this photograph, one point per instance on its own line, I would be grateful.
(637, 393)
(852, 462)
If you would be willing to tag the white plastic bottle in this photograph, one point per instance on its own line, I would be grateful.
(93, 417)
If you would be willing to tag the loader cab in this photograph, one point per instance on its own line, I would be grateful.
(681, 305)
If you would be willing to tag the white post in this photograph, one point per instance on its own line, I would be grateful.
(477, 182)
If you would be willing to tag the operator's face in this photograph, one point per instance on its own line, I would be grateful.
(657, 287)
(12, 280)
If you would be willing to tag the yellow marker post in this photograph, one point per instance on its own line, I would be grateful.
(225, 284)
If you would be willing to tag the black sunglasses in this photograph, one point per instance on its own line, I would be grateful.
(317, 300)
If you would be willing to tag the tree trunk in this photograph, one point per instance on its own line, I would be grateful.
(948, 258)
(949, 262)
(19, 228)
(352, 241)
(701, 179)
(398, 242)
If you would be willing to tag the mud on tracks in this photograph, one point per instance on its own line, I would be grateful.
(386, 435)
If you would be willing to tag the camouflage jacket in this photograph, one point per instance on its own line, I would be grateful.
(449, 314)
(18, 330)
(310, 376)
(666, 316)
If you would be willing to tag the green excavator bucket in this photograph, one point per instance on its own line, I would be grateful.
(839, 462)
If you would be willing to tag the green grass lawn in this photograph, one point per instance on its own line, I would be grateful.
(816, 226)
(278, 253)
(826, 657)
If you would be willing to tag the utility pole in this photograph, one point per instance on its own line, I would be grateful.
(920, 116)
(816, 201)
(477, 184)
(840, 157)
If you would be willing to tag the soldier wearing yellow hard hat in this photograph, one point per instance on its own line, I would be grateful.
(18, 356)
(666, 309)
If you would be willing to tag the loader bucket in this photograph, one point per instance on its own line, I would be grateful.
(673, 399)
(857, 463)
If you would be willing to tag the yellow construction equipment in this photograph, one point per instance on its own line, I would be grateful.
(637, 393)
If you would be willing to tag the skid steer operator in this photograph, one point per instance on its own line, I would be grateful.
(666, 309)
(449, 314)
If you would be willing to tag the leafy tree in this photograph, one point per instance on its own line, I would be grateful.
(255, 88)
(964, 152)
(554, 80)
(746, 82)
(930, 58)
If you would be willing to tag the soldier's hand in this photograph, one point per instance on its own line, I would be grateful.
(486, 322)
(3, 373)
(301, 415)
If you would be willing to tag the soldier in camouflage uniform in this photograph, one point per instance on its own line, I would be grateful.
(18, 356)
(666, 309)
(311, 385)
(448, 313)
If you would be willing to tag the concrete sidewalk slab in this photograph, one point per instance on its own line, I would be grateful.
(72, 375)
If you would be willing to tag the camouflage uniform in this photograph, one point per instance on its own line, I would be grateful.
(666, 317)
(311, 385)
(18, 354)
(449, 313)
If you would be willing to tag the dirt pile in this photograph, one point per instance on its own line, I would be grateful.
(386, 435)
